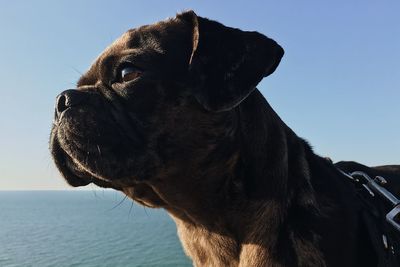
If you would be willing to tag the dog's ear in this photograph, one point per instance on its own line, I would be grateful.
(226, 64)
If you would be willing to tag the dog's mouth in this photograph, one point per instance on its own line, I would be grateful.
(77, 175)
(89, 145)
(73, 172)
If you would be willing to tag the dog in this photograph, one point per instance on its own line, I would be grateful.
(169, 114)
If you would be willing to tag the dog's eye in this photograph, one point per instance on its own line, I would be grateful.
(129, 73)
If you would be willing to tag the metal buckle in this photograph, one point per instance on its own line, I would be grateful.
(393, 217)
(374, 187)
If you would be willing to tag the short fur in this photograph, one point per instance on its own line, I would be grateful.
(194, 136)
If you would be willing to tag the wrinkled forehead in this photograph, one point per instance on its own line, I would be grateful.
(154, 38)
(144, 38)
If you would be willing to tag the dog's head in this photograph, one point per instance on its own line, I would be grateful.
(156, 111)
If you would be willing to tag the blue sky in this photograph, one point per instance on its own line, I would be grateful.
(338, 84)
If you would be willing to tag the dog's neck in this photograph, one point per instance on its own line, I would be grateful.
(261, 190)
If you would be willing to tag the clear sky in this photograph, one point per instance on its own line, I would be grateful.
(338, 84)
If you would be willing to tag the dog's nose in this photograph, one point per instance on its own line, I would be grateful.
(69, 98)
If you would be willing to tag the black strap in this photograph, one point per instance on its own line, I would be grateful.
(384, 237)
(384, 242)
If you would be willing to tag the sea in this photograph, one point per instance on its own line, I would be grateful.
(84, 228)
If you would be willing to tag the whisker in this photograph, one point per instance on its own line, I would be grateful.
(87, 152)
(118, 203)
(130, 209)
(98, 149)
(94, 193)
(77, 71)
(145, 211)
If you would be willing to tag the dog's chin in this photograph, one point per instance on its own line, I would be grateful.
(88, 149)
(74, 173)
(77, 176)
(144, 195)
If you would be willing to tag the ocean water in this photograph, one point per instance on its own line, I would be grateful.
(84, 228)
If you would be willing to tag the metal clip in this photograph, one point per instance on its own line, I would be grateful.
(380, 180)
(385, 242)
(393, 217)
(375, 187)
(369, 190)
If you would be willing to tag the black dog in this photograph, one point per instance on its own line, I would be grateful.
(169, 115)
